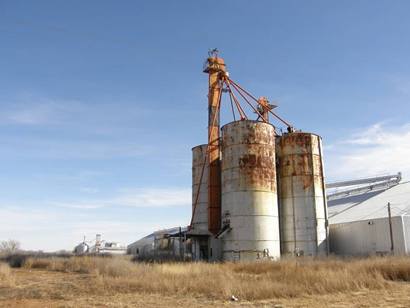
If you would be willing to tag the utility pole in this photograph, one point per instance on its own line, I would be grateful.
(391, 229)
(181, 252)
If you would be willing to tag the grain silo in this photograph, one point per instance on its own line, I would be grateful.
(302, 197)
(250, 226)
(199, 190)
(199, 225)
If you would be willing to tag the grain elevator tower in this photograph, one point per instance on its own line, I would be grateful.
(257, 193)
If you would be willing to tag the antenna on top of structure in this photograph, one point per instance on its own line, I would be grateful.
(213, 53)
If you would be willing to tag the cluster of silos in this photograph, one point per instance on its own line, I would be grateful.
(272, 194)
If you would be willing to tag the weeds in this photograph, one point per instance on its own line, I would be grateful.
(250, 281)
(6, 276)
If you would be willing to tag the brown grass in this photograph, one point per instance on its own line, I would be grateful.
(107, 267)
(249, 281)
(6, 276)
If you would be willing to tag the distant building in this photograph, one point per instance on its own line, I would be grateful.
(110, 248)
(170, 244)
(81, 249)
(100, 247)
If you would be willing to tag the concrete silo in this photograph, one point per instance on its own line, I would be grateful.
(302, 196)
(250, 226)
(199, 226)
(199, 197)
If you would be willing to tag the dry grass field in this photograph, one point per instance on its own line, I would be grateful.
(118, 282)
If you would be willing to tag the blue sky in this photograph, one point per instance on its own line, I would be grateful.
(102, 101)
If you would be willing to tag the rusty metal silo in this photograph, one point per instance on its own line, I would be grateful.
(200, 213)
(302, 196)
(250, 226)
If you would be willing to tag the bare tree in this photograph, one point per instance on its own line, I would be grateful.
(9, 247)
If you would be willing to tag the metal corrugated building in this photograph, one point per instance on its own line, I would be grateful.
(161, 245)
(145, 244)
(359, 225)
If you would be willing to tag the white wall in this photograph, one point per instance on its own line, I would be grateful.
(368, 237)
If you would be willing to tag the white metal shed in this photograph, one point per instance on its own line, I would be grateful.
(359, 225)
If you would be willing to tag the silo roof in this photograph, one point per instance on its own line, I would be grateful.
(371, 205)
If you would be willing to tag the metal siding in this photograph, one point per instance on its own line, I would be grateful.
(249, 197)
(367, 237)
(302, 202)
